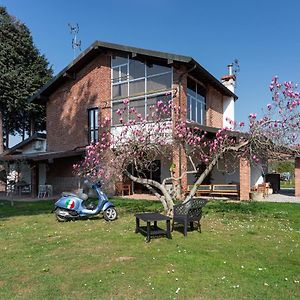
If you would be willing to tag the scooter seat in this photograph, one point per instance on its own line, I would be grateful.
(81, 196)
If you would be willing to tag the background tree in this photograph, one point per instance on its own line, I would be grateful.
(282, 166)
(23, 70)
(138, 143)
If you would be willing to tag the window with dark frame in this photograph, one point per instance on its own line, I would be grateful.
(93, 136)
(196, 102)
(141, 82)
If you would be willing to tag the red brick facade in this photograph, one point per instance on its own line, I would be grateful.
(67, 126)
(297, 177)
(214, 116)
(67, 118)
(244, 179)
(214, 112)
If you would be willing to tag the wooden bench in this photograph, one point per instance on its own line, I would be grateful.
(215, 190)
(225, 190)
(202, 189)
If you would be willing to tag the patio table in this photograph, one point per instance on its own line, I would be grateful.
(152, 230)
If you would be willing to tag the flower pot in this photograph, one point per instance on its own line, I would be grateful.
(257, 196)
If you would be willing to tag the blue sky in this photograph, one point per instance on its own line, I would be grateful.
(263, 35)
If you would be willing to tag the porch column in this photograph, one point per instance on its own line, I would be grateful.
(180, 161)
(297, 176)
(245, 174)
(34, 180)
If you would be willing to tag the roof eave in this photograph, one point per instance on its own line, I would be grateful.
(36, 136)
(215, 82)
(97, 45)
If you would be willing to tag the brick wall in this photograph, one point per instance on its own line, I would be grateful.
(214, 116)
(67, 118)
(297, 177)
(214, 111)
(245, 174)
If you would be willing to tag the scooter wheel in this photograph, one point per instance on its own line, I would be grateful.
(59, 218)
(110, 214)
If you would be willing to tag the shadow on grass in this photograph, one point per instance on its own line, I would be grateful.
(241, 210)
(137, 206)
(8, 210)
(246, 210)
(26, 208)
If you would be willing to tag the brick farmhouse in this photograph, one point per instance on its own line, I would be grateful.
(93, 86)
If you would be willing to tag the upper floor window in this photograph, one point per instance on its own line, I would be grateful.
(142, 82)
(132, 77)
(196, 102)
(144, 106)
(93, 136)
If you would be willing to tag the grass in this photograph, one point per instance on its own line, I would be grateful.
(287, 184)
(245, 251)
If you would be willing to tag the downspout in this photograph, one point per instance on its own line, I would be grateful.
(179, 96)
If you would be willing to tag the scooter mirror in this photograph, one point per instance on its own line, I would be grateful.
(88, 184)
(99, 183)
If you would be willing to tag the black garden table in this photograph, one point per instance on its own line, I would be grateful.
(151, 230)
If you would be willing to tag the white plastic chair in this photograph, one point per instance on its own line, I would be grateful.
(42, 191)
(49, 190)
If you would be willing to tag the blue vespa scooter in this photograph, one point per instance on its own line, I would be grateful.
(71, 206)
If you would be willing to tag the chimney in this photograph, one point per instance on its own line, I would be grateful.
(229, 79)
(228, 102)
(230, 69)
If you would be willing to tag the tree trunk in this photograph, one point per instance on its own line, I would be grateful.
(7, 138)
(166, 199)
(23, 132)
(32, 127)
(2, 166)
(210, 167)
(1, 134)
(201, 178)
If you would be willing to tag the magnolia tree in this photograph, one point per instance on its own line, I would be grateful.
(131, 148)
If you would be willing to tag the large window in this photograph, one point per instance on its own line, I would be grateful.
(143, 83)
(196, 103)
(93, 136)
(141, 107)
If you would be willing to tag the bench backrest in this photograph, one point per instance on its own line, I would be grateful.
(200, 187)
(225, 188)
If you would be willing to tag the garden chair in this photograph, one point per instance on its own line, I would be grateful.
(123, 188)
(188, 213)
(42, 191)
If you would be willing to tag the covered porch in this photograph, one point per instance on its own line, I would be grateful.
(40, 175)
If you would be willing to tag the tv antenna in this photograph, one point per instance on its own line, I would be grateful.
(76, 43)
(236, 66)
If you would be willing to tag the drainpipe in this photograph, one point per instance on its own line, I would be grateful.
(179, 95)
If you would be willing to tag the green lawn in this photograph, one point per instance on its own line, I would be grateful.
(245, 251)
(287, 184)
